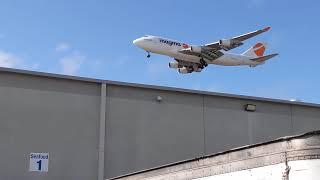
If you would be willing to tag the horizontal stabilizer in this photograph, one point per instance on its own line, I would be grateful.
(264, 58)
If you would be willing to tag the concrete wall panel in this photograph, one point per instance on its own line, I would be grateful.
(48, 115)
(228, 125)
(269, 121)
(143, 133)
(305, 119)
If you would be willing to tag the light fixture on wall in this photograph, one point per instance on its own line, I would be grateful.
(250, 107)
(159, 98)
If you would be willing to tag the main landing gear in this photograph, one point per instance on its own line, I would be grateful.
(148, 56)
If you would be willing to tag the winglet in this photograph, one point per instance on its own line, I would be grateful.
(266, 29)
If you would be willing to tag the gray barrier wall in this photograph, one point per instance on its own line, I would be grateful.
(60, 115)
(143, 133)
(57, 116)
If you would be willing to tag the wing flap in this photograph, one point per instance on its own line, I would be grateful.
(207, 53)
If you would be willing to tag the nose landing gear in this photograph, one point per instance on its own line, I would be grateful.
(148, 56)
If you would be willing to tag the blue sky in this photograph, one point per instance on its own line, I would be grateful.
(94, 39)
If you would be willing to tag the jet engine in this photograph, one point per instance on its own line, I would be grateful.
(183, 70)
(173, 65)
(196, 49)
(226, 43)
(197, 69)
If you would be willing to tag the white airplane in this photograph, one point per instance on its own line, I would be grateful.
(192, 58)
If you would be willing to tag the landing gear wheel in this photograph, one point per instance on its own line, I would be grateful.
(148, 56)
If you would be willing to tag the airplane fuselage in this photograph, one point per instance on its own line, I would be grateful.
(171, 48)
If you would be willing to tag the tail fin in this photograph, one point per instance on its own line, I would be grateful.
(256, 51)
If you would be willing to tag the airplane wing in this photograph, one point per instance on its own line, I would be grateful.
(227, 44)
(208, 53)
(212, 51)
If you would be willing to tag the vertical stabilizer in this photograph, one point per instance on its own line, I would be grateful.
(256, 51)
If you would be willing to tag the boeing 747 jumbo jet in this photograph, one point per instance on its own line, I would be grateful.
(192, 58)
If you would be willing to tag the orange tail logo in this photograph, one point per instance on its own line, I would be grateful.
(259, 49)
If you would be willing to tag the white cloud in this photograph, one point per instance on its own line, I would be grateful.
(8, 60)
(71, 64)
(62, 47)
(11, 60)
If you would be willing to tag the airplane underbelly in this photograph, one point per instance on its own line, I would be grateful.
(167, 51)
(228, 61)
(172, 52)
(186, 57)
(159, 50)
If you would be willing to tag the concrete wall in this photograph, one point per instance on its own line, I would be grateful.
(143, 133)
(48, 115)
(228, 125)
(60, 115)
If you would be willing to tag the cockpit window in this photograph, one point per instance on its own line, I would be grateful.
(147, 38)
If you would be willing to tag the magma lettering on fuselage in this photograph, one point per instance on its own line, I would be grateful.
(170, 43)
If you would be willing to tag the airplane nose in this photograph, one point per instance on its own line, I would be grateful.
(135, 41)
(138, 42)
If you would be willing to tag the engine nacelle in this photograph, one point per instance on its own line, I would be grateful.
(196, 49)
(173, 65)
(183, 70)
(197, 69)
(226, 43)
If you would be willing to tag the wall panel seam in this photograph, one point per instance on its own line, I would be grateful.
(204, 127)
(291, 119)
(102, 131)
